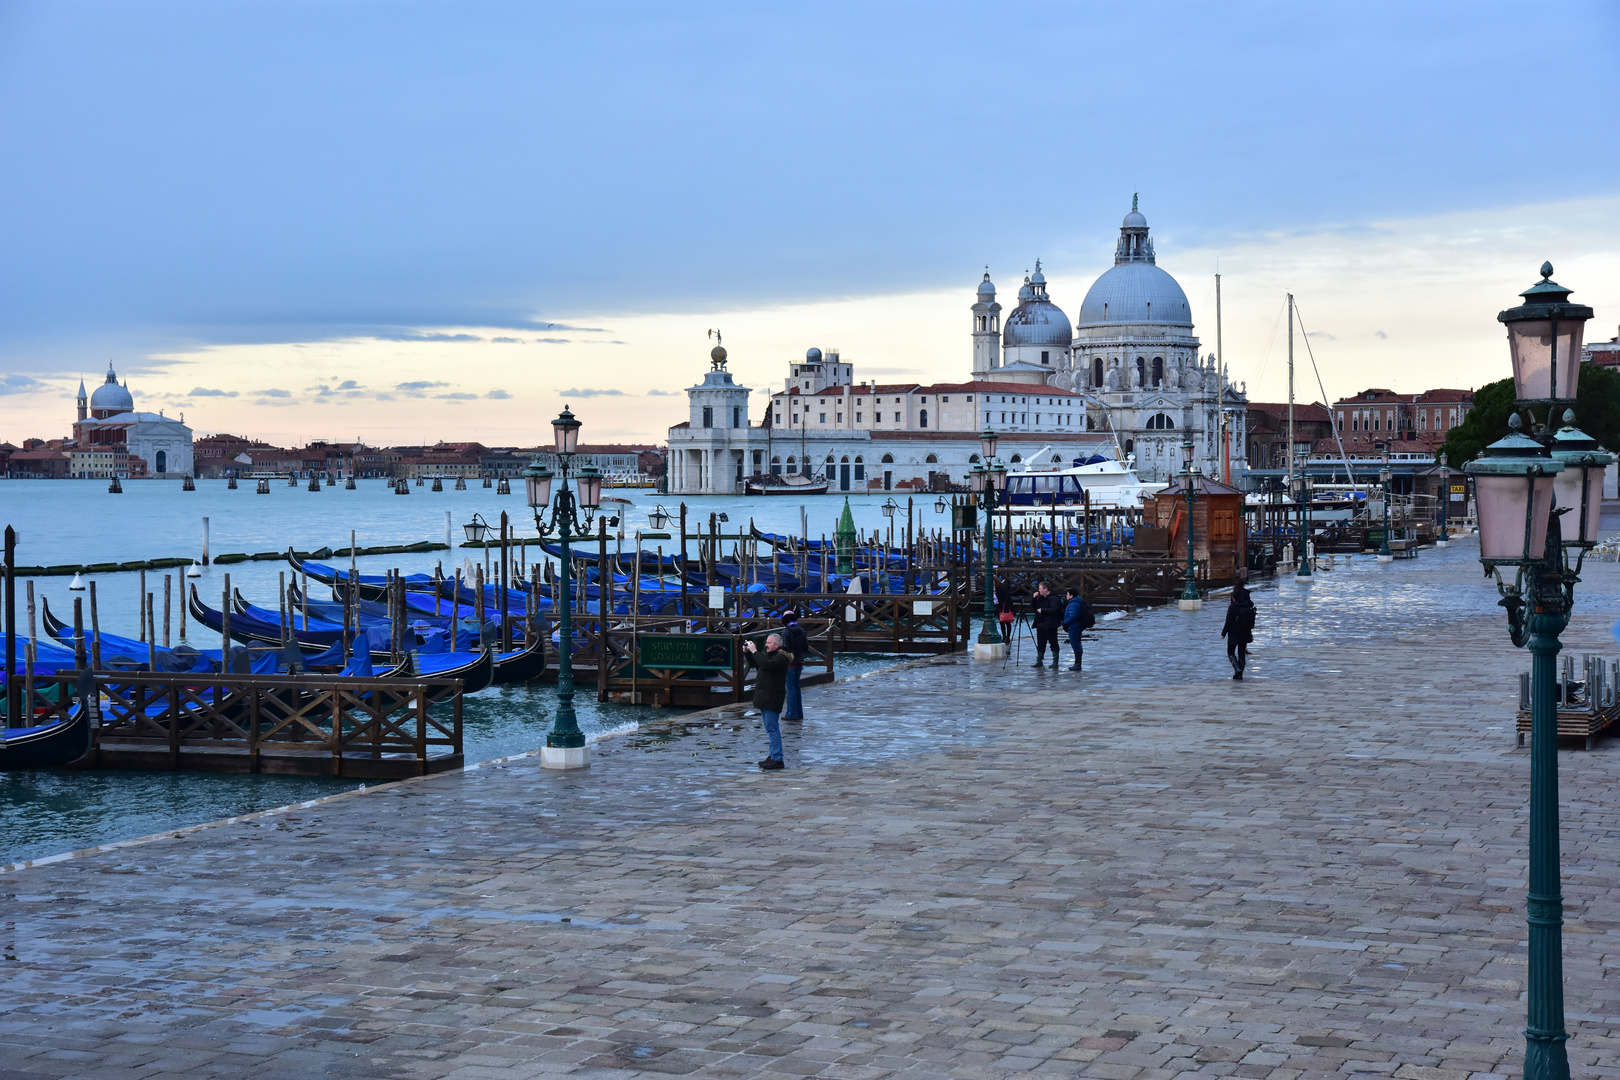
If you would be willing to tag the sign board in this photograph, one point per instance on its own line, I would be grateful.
(717, 596)
(699, 651)
(922, 607)
(964, 516)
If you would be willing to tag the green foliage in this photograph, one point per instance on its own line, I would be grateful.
(1597, 412)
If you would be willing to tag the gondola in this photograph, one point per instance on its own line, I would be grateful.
(372, 586)
(246, 628)
(47, 746)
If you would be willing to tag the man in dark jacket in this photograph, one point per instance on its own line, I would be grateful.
(1048, 611)
(770, 688)
(1077, 618)
(1238, 629)
(797, 643)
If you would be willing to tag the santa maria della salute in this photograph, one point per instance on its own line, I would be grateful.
(1125, 378)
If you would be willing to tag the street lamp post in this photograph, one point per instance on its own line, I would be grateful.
(565, 743)
(1190, 600)
(1385, 476)
(1305, 491)
(1523, 486)
(986, 479)
(1444, 540)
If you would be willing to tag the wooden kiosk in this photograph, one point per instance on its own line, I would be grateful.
(1220, 537)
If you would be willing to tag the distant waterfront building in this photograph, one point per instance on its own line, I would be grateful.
(1127, 381)
(1377, 420)
(108, 422)
(1605, 354)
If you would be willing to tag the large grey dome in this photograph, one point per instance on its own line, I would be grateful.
(111, 397)
(1135, 292)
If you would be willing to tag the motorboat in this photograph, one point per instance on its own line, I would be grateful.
(1103, 482)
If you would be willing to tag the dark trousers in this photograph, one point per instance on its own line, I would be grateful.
(1238, 653)
(1074, 643)
(1044, 636)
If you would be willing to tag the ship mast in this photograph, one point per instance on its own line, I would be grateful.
(1290, 390)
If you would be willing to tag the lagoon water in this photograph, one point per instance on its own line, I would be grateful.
(78, 521)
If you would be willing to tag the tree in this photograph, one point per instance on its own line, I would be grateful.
(1597, 412)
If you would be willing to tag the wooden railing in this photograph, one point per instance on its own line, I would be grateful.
(1121, 584)
(268, 723)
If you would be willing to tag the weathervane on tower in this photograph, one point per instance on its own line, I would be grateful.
(717, 355)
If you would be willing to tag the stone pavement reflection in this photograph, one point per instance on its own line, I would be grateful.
(969, 871)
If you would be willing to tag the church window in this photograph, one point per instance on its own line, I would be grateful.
(1016, 458)
(931, 459)
(1096, 372)
(888, 459)
(162, 461)
(922, 418)
(708, 416)
(1130, 446)
(1046, 357)
(973, 459)
(1158, 370)
(1141, 370)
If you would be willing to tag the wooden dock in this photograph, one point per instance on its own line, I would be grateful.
(286, 724)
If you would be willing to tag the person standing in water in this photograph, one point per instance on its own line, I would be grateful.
(1239, 629)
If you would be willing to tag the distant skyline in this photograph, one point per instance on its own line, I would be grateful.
(412, 222)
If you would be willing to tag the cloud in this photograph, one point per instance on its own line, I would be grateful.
(419, 387)
(1323, 334)
(459, 396)
(592, 393)
(1380, 335)
(498, 395)
(348, 384)
(507, 340)
(552, 340)
(428, 337)
(565, 328)
(203, 391)
(273, 393)
(19, 384)
(663, 393)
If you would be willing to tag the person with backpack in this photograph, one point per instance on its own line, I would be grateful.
(1077, 618)
(1238, 629)
(797, 642)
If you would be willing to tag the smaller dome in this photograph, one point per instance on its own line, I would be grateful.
(1135, 220)
(110, 397)
(986, 287)
(1038, 278)
(1027, 292)
(812, 355)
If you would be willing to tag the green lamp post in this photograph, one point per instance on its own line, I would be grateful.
(565, 743)
(1444, 540)
(1524, 487)
(986, 479)
(1305, 491)
(1385, 476)
(1190, 600)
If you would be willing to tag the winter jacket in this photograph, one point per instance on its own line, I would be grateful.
(1048, 610)
(797, 642)
(1239, 625)
(770, 686)
(1074, 615)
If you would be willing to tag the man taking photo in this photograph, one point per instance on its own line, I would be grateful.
(1048, 611)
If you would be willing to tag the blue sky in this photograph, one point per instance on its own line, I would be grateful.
(186, 176)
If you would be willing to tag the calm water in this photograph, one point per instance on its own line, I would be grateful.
(64, 521)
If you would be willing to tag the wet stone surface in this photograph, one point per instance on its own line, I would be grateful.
(969, 870)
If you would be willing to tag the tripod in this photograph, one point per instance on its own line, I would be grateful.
(1017, 631)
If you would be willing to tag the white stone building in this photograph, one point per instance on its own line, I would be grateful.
(108, 422)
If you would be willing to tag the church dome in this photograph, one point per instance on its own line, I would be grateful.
(110, 397)
(986, 288)
(1135, 292)
(1036, 320)
(1134, 220)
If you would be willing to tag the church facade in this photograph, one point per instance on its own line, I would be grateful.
(110, 431)
(1125, 380)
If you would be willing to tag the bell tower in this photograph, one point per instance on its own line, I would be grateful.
(986, 329)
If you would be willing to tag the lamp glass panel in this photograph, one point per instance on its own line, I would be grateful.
(1501, 502)
(1187, 453)
(1531, 345)
(539, 490)
(976, 480)
(1594, 503)
(987, 443)
(1567, 487)
(590, 489)
(473, 529)
(565, 430)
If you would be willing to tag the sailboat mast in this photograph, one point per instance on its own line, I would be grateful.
(1290, 388)
(1220, 391)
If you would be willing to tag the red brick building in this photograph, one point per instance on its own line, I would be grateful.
(1376, 420)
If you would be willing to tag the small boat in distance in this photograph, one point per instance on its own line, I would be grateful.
(795, 484)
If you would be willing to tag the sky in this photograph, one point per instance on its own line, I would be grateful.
(412, 222)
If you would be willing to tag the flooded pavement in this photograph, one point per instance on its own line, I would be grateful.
(968, 870)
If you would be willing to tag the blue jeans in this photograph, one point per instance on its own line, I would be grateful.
(773, 730)
(794, 708)
(1074, 643)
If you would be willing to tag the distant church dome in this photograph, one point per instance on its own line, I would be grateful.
(986, 287)
(1036, 320)
(110, 397)
(1135, 290)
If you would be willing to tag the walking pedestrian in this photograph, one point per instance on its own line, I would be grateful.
(1238, 629)
(1048, 610)
(1077, 618)
(797, 644)
(770, 689)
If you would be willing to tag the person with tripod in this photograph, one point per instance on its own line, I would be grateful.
(1048, 612)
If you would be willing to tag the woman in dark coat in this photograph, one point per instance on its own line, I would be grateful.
(1239, 629)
